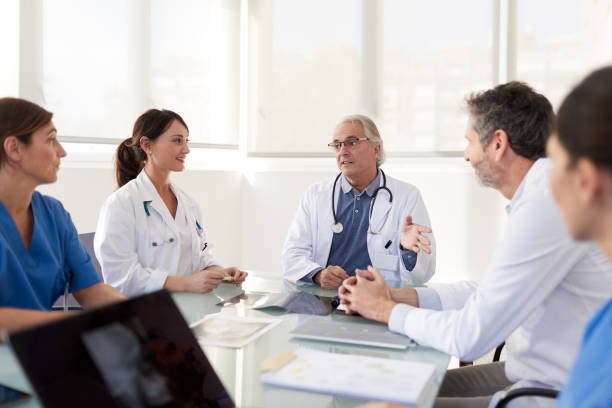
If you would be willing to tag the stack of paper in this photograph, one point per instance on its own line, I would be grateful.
(358, 376)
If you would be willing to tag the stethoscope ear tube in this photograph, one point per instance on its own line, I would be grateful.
(374, 196)
(337, 226)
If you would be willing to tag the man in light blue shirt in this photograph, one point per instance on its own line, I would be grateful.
(360, 217)
(541, 286)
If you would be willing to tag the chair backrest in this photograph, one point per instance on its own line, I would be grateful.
(88, 242)
(67, 301)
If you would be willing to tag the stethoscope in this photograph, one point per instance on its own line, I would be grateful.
(170, 240)
(337, 226)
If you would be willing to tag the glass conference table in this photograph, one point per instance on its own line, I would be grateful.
(239, 369)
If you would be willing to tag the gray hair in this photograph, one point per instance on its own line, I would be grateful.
(526, 116)
(371, 132)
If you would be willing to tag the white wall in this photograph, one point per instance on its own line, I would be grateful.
(467, 218)
(83, 190)
(246, 215)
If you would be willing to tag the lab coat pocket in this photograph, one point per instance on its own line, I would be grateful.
(385, 262)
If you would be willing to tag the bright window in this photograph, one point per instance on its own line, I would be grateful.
(105, 63)
(306, 72)
(195, 52)
(559, 43)
(9, 48)
(86, 68)
(430, 61)
(401, 62)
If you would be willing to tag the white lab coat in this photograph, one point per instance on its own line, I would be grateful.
(310, 236)
(125, 234)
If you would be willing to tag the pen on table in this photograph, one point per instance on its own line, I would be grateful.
(388, 244)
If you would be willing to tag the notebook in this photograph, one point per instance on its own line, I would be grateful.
(401, 381)
(139, 352)
(367, 334)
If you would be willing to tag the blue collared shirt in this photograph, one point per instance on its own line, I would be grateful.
(349, 249)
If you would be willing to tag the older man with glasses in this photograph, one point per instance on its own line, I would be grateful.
(358, 218)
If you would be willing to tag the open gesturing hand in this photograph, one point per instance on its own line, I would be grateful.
(413, 238)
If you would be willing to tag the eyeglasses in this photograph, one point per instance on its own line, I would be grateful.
(349, 143)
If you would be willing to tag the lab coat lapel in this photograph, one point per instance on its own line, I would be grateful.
(149, 193)
(190, 211)
(324, 232)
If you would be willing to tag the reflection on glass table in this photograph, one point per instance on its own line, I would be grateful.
(292, 297)
(239, 369)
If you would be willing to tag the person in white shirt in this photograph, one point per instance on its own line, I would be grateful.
(359, 217)
(541, 287)
(150, 234)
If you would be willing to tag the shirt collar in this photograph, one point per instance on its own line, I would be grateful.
(369, 190)
(150, 190)
(535, 169)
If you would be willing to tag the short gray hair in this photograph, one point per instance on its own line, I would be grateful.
(371, 132)
(526, 116)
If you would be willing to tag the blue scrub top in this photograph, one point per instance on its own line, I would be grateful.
(34, 278)
(590, 382)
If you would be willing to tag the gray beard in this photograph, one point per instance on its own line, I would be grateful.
(486, 178)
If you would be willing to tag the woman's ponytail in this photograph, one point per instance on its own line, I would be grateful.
(129, 161)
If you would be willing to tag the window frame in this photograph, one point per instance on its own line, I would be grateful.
(503, 65)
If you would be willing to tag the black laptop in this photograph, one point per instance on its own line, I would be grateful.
(137, 353)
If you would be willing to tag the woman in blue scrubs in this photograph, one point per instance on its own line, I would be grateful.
(582, 185)
(40, 250)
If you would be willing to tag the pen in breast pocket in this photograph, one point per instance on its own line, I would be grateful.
(388, 244)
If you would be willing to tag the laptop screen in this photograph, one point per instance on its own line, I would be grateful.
(137, 353)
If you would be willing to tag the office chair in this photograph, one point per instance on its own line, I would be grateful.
(67, 301)
(87, 239)
(521, 392)
(496, 356)
(526, 392)
(498, 350)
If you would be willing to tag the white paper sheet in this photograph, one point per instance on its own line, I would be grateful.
(230, 331)
(353, 375)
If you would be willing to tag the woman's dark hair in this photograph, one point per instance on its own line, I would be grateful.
(130, 156)
(20, 118)
(585, 119)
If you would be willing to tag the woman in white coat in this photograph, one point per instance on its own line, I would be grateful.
(150, 233)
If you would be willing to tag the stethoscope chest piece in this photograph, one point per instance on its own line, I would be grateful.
(337, 227)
